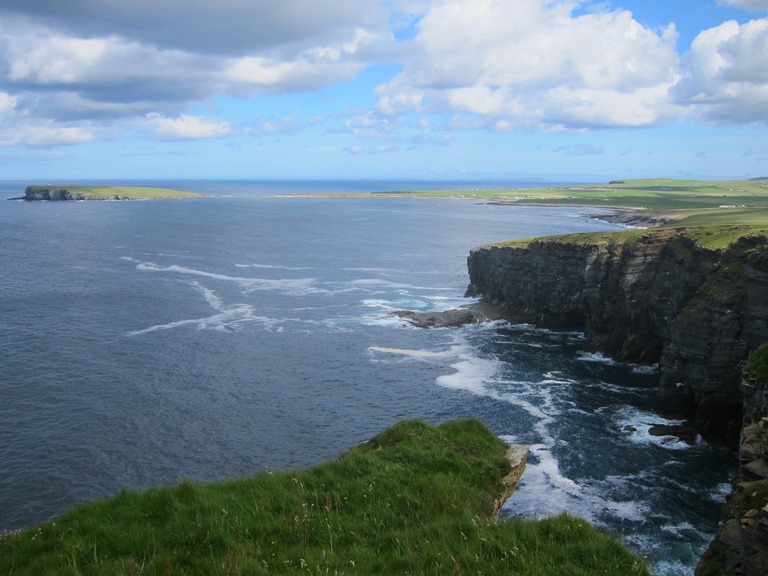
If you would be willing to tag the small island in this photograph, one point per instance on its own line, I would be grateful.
(59, 193)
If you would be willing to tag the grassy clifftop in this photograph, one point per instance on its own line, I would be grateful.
(415, 499)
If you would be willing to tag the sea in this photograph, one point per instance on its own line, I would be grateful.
(147, 342)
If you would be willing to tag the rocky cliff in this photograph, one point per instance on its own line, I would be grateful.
(653, 296)
(38, 193)
(741, 546)
(43, 193)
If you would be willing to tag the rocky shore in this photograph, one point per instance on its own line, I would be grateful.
(659, 296)
(653, 297)
(471, 314)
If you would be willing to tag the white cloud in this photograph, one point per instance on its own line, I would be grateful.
(267, 74)
(748, 4)
(188, 128)
(70, 71)
(44, 135)
(277, 125)
(224, 27)
(582, 150)
(727, 73)
(99, 61)
(383, 149)
(7, 103)
(368, 126)
(533, 63)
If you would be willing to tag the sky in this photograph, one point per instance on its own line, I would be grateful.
(558, 90)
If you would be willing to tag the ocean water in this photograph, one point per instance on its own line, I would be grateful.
(142, 343)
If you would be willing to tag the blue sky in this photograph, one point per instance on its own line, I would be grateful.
(563, 90)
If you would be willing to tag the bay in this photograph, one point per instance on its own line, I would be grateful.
(142, 343)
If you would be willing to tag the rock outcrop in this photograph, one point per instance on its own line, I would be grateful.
(39, 193)
(741, 546)
(57, 194)
(472, 314)
(653, 296)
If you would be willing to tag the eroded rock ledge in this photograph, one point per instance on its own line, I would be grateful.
(656, 296)
(472, 314)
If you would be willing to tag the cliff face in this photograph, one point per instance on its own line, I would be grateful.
(741, 546)
(42, 193)
(38, 193)
(646, 297)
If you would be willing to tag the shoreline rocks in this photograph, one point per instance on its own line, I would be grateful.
(657, 297)
(470, 314)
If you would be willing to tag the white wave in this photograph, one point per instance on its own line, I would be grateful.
(407, 352)
(721, 492)
(272, 267)
(471, 372)
(622, 389)
(596, 357)
(375, 270)
(384, 320)
(298, 286)
(390, 306)
(601, 359)
(586, 500)
(554, 378)
(210, 296)
(645, 369)
(226, 317)
(682, 529)
(379, 283)
(637, 424)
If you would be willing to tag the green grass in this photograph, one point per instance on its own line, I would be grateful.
(709, 237)
(692, 202)
(654, 194)
(416, 499)
(757, 366)
(131, 192)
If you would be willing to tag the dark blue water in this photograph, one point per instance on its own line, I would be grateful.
(146, 342)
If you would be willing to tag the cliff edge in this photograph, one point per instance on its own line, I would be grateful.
(645, 296)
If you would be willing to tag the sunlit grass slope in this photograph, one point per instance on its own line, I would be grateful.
(416, 499)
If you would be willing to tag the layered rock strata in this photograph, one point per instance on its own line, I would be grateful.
(653, 296)
(741, 546)
(57, 194)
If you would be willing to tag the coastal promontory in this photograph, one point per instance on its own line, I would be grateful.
(414, 499)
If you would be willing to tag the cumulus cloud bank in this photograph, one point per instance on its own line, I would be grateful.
(72, 70)
(532, 62)
(727, 73)
(65, 63)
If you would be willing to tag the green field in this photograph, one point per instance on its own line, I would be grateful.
(125, 192)
(715, 212)
(652, 194)
(415, 499)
